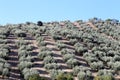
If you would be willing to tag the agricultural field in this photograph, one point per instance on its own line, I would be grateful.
(61, 50)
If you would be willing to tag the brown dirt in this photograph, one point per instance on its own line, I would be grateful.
(13, 59)
(38, 64)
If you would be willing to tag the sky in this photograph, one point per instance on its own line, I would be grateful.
(20, 11)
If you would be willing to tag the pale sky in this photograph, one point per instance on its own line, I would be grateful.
(20, 11)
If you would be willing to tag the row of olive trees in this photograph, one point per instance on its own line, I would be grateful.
(26, 61)
(91, 39)
(109, 27)
(4, 53)
(50, 64)
(84, 40)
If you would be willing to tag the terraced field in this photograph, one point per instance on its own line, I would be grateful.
(60, 51)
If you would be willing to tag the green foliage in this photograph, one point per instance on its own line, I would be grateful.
(81, 76)
(64, 76)
(42, 43)
(2, 36)
(96, 65)
(44, 48)
(116, 66)
(66, 57)
(48, 59)
(20, 33)
(60, 75)
(54, 73)
(43, 54)
(4, 69)
(67, 51)
(84, 75)
(21, 43)
(3, 41)
(80, 48)
(24, 64)
(50, 66)
(61, 45)
(73, 41)
(36, 77)
(56, 37)
(24, 53)
(29, 72)
(4, 53)
(40, 39)
(26, 47)
(28, 58)
(5, 72)
(104, 77)
(72, 62)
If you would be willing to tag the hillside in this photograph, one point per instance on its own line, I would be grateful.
(80, 50)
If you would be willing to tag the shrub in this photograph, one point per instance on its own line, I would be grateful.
(5, 72)
(61, 77)
(96, 65)
(84, 75)
(67, 51)
(43, 54)
(72, 62)
(105, 73)
(7, 65)
(51, 66)
(64, 51)
(3, 41)
(2, 60)
(29, 72)
(116, 58)
(26, 47)
(42, 29)
(48, 59)
(65, 32)
(76, 70)
(21, 42)
(45, 49)
(97, 78)
(42, 43)
(106, 59)
(68, 56)
(24, 53)
(107, 77)
(4, 69)
(20, 33)
(56, 37)
(40, 39)
(38, 35)
(36, 77)
(2, 36)
(80, 48)
(116, 66)
(89, 75)
(104, 77)
(81, 76)
(1, 68)
(26, 58)
(4, 53)
(73, 41)
(61, 45)
(24, 64)
(54, 73)
(64, 76)
(110, 64)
